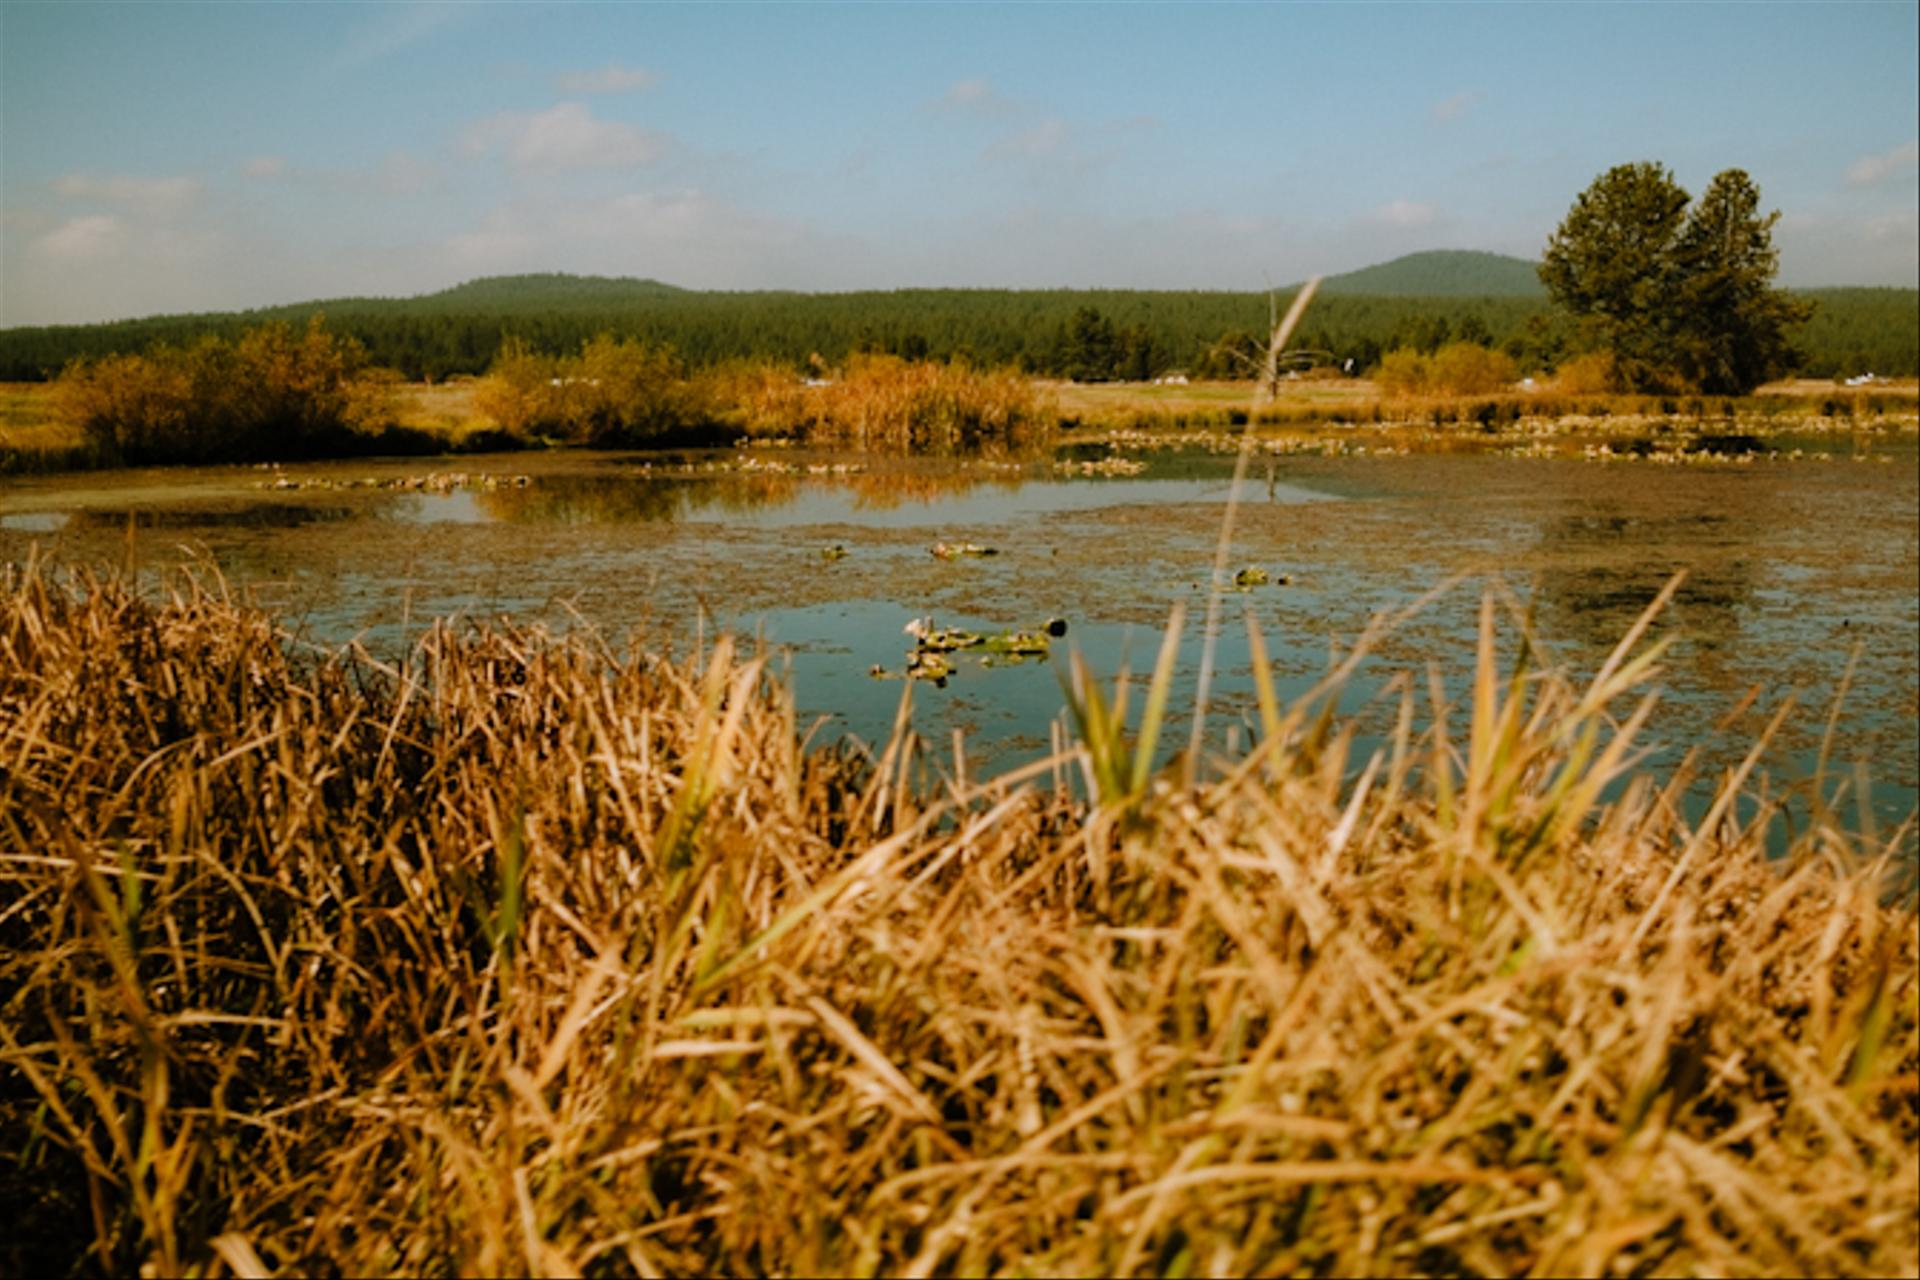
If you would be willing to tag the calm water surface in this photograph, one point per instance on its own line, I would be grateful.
(1794, 568)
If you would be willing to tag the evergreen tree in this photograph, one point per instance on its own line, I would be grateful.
(1675, 297)
(1610, 264)
(1089, 348)
(1733, 325)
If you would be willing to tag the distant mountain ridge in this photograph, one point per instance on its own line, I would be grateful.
(1442, 273)
(1427, 274)
(493, 290)
(1418, 301)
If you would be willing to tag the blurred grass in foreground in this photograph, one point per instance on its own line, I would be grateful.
(534, 957)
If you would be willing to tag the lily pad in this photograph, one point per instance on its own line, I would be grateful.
(955, 550)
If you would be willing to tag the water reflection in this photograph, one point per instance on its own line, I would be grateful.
(625, 499)
(1598, 572)
(35, 521)
(248, 515)
(895, 497)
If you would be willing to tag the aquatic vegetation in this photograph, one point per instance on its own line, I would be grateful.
(1114, 465)
(928, 658)
(1032, 643)
(429, 482)
(957, 550)
(929, 664)
(1014, 640)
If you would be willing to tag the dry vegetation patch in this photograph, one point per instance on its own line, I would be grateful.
(529, 956)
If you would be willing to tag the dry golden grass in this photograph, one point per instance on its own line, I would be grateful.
(531, 957)
(1814, 388)
(445, 407)
(25, 405)
(884, 402)
(32, 437)
(1101, 401)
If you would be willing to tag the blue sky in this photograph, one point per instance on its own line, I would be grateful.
(164, 157)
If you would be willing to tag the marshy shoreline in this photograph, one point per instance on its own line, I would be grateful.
(529, 955)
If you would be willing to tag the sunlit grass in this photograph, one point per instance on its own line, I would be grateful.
(32, 438)
(529, 956)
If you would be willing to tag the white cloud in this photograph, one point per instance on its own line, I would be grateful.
(973, 95)
(394, 27)
(1404, 215)
(83, 240)
(398, 174)
(1041, 141)
(498, 244)
(686, 237)
(101, 266)
(1870, 171)
(564, 137)
(612, 78)
(1900, 229)
(1844, 249)
(1450, 109)
(1053, 152)
(145, 197)
(1038, 247)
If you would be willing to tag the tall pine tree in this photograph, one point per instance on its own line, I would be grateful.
(1678, 297)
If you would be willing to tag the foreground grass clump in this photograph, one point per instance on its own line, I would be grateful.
(530, 957)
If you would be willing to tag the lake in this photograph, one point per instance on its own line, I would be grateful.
(1795, 567)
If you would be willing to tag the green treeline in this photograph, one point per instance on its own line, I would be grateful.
(1088, 334)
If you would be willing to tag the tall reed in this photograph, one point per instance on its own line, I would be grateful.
(526, 955)
(885, 402)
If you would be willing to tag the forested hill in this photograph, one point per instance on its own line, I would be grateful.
(538, 292)
(1443, 273)
(1075, 333)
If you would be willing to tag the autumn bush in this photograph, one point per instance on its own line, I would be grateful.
(616, 392)
(270, 393)
(1456, 369)
(1591, 374)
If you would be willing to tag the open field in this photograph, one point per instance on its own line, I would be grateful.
(447, 415)
(442, 406)
(30, 437)
(1099, 400)
(1813, 387)
(541, 959)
